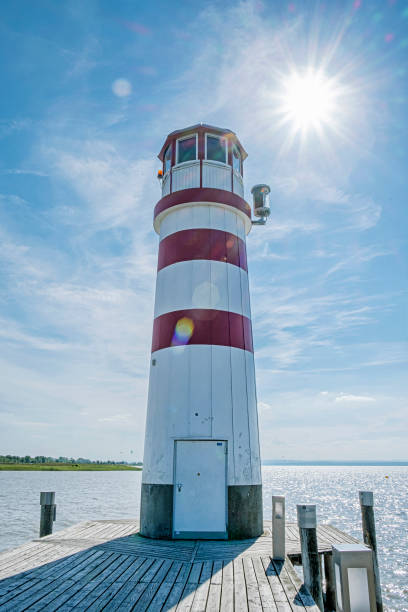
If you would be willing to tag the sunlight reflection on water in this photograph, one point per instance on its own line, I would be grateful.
(102, 495)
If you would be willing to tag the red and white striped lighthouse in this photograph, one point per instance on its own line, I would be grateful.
(201, 468)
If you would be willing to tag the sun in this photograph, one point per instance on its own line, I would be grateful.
(308, 100)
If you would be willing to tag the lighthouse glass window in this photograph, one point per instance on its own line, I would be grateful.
(216, 148)
(236, 159)
(167, 159)
(186, 149)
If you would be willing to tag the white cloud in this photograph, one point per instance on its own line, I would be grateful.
(111, 184)
(262, 406)
(115, 418)
(315, 194)
(302, 424)
(23, 171)
(8, 126)
(349, 397)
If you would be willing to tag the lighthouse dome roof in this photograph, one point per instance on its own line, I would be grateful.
(202, 127)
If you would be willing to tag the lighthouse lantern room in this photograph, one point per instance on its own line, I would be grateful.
(201, 468)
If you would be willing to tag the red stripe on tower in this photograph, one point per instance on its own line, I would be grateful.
(210, 244)
(202, 326)
(195, 194)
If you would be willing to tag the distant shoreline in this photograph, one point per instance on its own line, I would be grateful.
(103, 467)
(67, 467)
(289, 462)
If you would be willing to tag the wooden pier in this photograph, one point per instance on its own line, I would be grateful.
(106, 565)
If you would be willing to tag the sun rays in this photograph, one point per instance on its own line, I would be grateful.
(308, 100)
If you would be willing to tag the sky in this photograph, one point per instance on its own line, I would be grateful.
(90, 90)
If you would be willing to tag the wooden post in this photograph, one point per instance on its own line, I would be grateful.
(330, 599)
(278, 527)
(367, 518)
(48, 512)
(306, 516)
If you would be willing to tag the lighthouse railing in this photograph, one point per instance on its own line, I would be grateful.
(238, 184)
(166, 184)
(216, 175)
(186, 175)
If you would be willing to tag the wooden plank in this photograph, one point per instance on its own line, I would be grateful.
(295, 602)
(152, 571)
(153, 587)
(91, 571)
(254, 600)
(195, 572)
(7, 557)
(227, 590)
(278, 592)
(301, 591)
(240, 594)
(49, 596)
(127, 587)
(102, 594)
(114, 588)
(334, 535)
(18, 590)
(214, 597)
(26, 598)
(206, 571)
(53, 571)
(77, 561)
(216, 576)
(20, 579)
(187, 597)
(132, 597)
(97, 586)
(265, 592)
(43, 553)
(166, 586)
(9, 584)
(63, 582)
(184, 572)
(200, 597)
(129, 597)
(174, 572)
(178, 588)
(82, 594)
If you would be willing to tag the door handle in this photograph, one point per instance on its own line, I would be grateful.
(179, 485)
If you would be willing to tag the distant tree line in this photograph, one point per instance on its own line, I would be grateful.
(44, 459)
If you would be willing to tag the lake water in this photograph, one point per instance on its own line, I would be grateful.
(103, 495)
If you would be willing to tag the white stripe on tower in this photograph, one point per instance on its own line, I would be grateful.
(202, 216)
(202, 284)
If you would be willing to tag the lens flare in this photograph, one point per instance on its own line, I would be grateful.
(182, 332)
(121, 88)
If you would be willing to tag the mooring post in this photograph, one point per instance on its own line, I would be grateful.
(306, 517)
(330, 591)
(367, 518)
(48, 512)
(278, 527)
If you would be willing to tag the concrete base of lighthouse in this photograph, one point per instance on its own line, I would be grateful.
(245, 516)
(156, 511)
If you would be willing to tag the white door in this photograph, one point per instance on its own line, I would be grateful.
(200, 489)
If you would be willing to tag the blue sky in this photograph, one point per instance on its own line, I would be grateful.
(89, 92)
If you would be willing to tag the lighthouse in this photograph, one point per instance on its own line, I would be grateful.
(202, 469)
